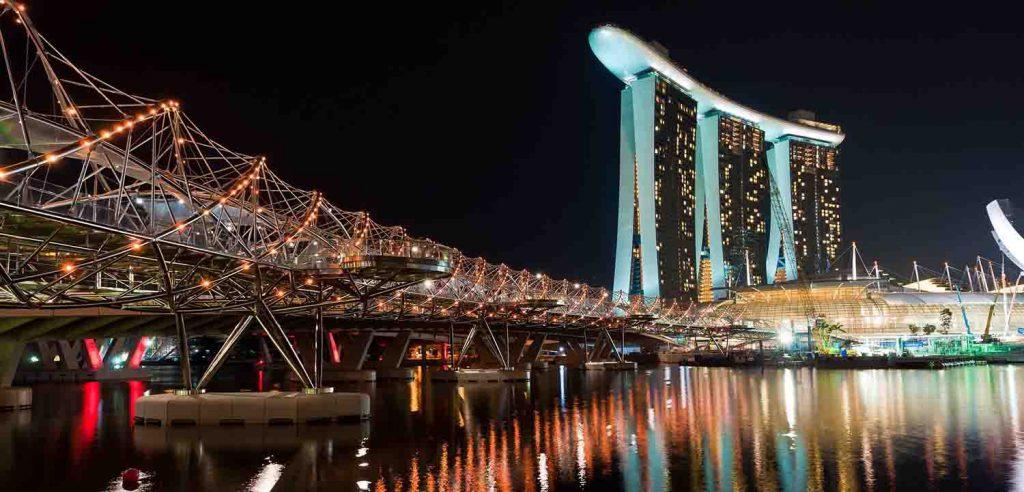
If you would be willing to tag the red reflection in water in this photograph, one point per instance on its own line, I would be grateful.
(135, 390)
(259, 380)
(85, 434)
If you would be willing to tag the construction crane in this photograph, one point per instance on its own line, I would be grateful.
(785, 228)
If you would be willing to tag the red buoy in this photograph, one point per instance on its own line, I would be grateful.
(130, 478)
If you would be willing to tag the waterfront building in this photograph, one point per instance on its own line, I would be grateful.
(872, 309)
(700, 174)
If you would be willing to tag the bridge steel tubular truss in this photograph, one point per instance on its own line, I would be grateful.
(114, 200)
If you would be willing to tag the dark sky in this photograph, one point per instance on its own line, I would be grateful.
(494, 128)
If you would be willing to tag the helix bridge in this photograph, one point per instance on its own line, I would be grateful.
(112, 202)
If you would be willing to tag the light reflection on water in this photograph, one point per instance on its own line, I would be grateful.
(659, 429)
(717, 429)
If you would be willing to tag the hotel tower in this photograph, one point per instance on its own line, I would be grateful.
(711, 188)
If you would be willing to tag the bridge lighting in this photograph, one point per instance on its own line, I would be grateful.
(68, 267)
(181, 140)
(136, 245)
(575, 286)
(537, 276)
(278, 292)
(71, 111)
(205, 283)
(51, 158)
(245, 265)
(428, 283)
(309, 281)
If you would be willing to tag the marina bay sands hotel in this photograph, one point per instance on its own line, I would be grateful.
(713, 194)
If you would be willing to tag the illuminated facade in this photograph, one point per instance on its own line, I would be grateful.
(743, 200)
(870, 308)
(673, 141)
(817, 231)
(700, 174)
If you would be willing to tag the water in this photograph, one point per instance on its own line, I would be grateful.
(664, 428)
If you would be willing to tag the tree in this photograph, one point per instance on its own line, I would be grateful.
(945, 320)
(823, 333)
(928, 329)
(914, 329)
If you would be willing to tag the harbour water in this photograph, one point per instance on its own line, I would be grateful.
(662, 428)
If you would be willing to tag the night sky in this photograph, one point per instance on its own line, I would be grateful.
(495, 130)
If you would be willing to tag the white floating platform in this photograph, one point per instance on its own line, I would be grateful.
(15, 398)
(481, 375)
(274, 407)
(405, 373)
(609, 366)
(283, 438)
(350, 376)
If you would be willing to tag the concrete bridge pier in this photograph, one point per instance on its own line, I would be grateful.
(602, 354)
(353, 351)
(531, 352)
(494, 362)
(12, 398)
(390, 366)
(78, 360)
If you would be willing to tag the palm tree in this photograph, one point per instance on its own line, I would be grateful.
(945, 320)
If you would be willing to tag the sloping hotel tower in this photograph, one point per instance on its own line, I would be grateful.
(709, 187)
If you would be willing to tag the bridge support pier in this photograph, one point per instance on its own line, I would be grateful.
(265, 317)
(353, 355)
(12, 398)
(604, 354)
(493, 364)
(78, 360)
(390, 366)
(531, 353)
(240, 329)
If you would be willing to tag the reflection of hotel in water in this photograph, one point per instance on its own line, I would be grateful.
(702, 428)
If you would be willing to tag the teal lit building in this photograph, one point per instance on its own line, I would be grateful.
(702, 175)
